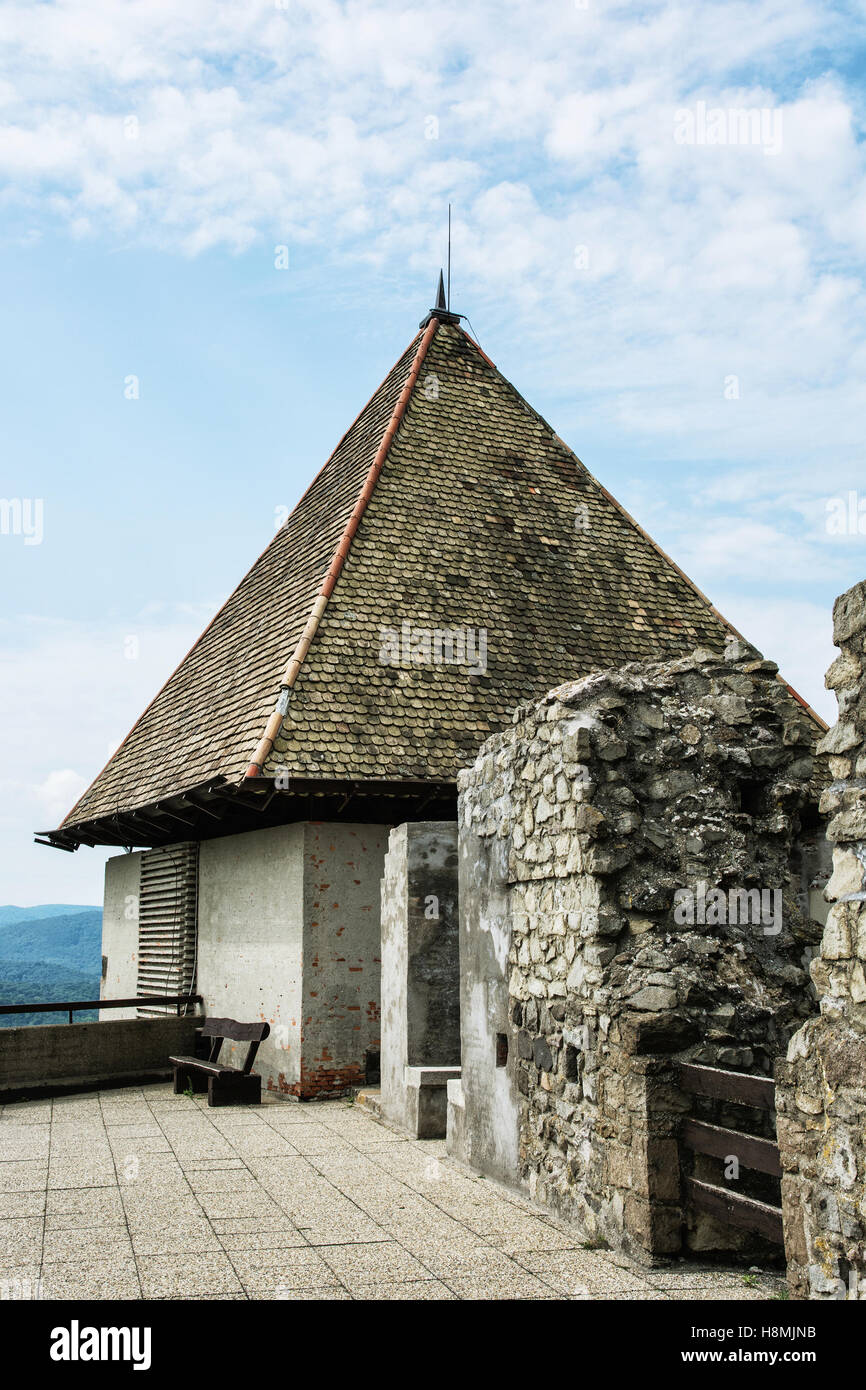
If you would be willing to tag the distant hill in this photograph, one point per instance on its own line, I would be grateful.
(9, 913)
(47, 953)
(73, 939)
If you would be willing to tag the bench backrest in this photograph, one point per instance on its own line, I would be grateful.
(219, 1028)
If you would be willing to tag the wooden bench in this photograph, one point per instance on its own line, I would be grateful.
(224, 1085)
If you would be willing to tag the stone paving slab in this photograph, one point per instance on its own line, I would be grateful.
(137, 1193)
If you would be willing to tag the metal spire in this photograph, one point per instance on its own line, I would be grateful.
(441, 310)
(441, 302)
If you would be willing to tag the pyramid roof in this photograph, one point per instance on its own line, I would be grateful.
(452, 560)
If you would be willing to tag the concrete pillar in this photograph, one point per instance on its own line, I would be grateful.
(420, 976)
(120, 933)
(288, 931)
(483, 1121)
(250, 943)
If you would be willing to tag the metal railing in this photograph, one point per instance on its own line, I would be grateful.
(71, 1006)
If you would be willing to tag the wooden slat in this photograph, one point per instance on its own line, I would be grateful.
(234, 1031)
(201, 1064)
(745, 1212)
(167, 921)
(752, 1152)
(737, 1086)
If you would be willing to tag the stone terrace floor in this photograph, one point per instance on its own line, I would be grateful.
(137, 1193)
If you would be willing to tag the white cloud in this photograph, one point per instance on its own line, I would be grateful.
(63, 687)
(255, 125)
(58, 792)
(221, 124)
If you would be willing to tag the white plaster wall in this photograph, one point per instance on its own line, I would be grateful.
(120, 932)
(250, 941)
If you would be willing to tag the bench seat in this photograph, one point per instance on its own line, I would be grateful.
(212, 1068)
(225, 1085)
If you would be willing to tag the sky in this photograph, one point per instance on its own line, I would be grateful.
(221, 222)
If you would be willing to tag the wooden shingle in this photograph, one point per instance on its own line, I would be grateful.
(480, 519)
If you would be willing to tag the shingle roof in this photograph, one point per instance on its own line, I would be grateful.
(480, 518)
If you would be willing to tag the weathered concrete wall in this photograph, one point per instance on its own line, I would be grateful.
(821, 1086)
(92, 1051)
(483, 1106)
(342, 867)
(288, 932)
(250, 942)
(395, 1104)
(593, 837)
(420, 975)
(120, 932)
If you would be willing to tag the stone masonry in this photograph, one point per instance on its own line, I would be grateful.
(615, 846)
(821, 1087)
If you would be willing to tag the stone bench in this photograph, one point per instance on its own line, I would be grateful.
(426, 1095)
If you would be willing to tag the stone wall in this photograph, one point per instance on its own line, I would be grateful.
(612, 811)
(821, 1087)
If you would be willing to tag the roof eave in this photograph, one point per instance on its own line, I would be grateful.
(219, 807)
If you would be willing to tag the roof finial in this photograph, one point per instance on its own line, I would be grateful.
(441, 302)
(442, 311)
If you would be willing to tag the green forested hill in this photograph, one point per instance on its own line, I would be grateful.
(47, 953)
(72, 938)
(34, 981)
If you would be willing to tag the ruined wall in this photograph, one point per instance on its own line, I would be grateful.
(613, 811)
(821, 1087)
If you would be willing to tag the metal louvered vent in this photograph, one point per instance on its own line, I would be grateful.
(167, 924)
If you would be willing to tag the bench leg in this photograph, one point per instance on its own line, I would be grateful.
(236, 1089)
(186, 1077)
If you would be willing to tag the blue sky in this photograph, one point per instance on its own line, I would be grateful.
(687, 312)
